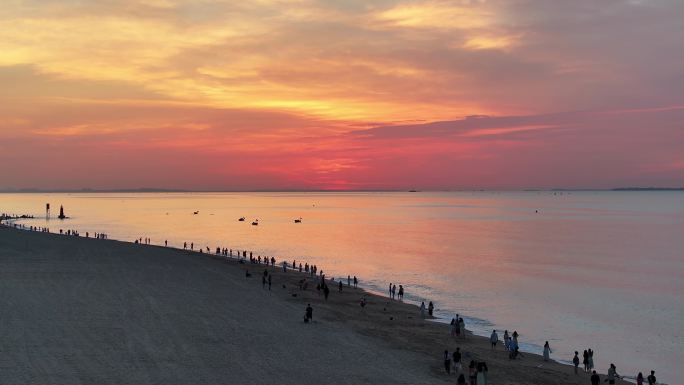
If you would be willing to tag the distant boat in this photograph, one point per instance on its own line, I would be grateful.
(242, 219)
(195, 213)
(413, 190)
(255, 223)
(298, 220)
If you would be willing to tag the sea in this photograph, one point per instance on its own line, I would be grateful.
(579, 269)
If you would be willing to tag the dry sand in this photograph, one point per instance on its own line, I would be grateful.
(86, 311)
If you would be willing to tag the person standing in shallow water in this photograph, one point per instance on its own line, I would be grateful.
(401, 293)
(547, 351)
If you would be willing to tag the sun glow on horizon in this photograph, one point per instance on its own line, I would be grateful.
(327, 94)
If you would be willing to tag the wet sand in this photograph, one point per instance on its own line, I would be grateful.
(84, 311)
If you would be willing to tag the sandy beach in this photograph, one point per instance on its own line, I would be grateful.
(89, 311)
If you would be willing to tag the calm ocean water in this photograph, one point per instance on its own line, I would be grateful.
(590, 269)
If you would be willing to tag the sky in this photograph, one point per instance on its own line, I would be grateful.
(337, 95)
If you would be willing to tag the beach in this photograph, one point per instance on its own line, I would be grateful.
(79, 311)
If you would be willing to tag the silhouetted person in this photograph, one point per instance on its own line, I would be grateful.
(595, 378)
(340, 286)
(309, 314)
(447, 362)
(461, 380)
(356, 282)
(269, 282)
(401, 292)
(326, 291)
(652, 378)
(431, 308)
(576, 361)
(493, 339)
(612, 374)
(547, 351)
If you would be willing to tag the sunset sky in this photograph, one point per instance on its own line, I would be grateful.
(330, 94)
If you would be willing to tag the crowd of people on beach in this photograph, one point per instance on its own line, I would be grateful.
(474, 374)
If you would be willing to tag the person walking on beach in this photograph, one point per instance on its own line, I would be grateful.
(652, 378)
(591, 359)
(348, 281)
(431, 308)
(481, 377)
(447, 362)
(461, 327)
(394, 291)
(401, 293)
(640, 379)
(612, 374)
(453, 327)
(326, 291)
(493, 339)
(595, 378)
(263, 281)
(422, 309)
(309, 314)
(575, 361)
(356, 282)
(340, 286)
(507, 341)
(390, 290)
(456, 359)
(269, 282)
(472, 373)
(547, 351)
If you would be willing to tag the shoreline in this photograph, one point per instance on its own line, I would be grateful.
(425, 339)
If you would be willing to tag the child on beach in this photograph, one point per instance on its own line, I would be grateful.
(575, 361)
(595, 378)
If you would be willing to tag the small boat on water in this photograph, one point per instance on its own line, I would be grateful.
(255, 223)
(195, 213)
(298, 220)
(242, 219)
